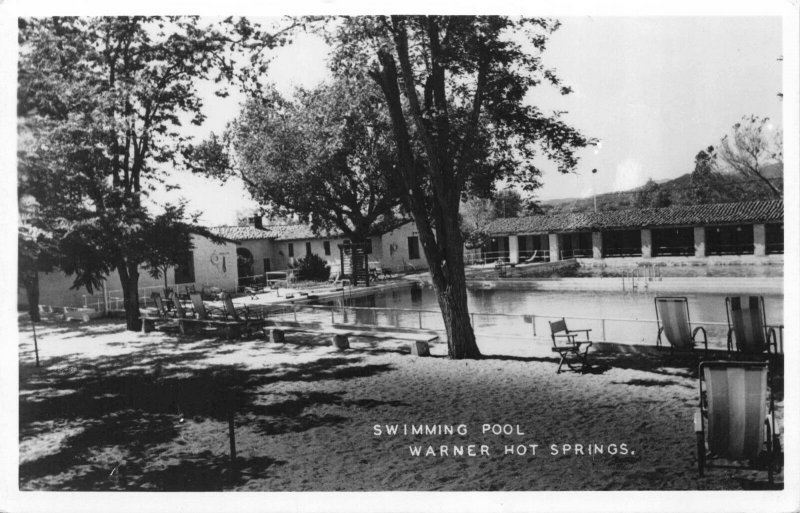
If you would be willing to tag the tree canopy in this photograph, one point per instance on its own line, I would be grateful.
(326, 155)
(101, 103)
(753, 144)
(457, 92)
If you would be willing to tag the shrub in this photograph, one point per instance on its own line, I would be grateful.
(313, 268)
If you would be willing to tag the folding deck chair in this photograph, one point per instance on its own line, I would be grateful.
(564, 344)
(747, 325)
(674, 324)
(736, 417)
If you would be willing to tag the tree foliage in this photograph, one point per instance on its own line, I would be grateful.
(753, 144)
(457, 92)
(652, 195)
(508, 203)
(313, 268)
(101, 103)
(325, 155)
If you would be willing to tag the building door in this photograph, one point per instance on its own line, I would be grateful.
(244, 263)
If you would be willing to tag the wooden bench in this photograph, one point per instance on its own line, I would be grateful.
(419, 338)
(232, 329)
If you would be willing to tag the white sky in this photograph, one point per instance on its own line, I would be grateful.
(655, 91)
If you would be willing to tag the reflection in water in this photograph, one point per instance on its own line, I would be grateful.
(416, 295)
(614, 316)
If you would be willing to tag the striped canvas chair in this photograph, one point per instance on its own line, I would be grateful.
(674, 325)
(747, 324)
(736, 420)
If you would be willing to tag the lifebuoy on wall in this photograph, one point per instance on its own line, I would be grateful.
(392, 248)
(214, 258)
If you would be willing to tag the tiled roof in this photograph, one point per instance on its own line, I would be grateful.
(298, 231)
(238, 233)
(721, 213)
(273, 232)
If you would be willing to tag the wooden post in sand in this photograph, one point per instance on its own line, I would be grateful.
(232, 437)
(230, 403)
(35, 343)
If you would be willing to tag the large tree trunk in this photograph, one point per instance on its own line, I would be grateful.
(449, 283)
(129, 277)
(437, 217)
(32, 291)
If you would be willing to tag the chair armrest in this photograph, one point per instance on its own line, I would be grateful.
(580, 331)
(771, 334)
(570, 338)
(705, 336)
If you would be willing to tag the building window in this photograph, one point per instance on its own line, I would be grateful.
(308, 248)
(729, 240)
(267, 266)
(413, 248)
(774, 238)
(622, 243)
(327, 247)
(291, 250)
(184, 272)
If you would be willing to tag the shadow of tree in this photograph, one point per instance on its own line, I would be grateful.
(136, 401)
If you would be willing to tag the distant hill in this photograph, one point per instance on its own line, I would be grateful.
(733, 188)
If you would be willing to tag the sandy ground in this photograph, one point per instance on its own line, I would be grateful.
(115, 410)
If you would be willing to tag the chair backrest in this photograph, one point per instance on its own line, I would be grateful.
(199, 306)
(156, 297)
(737, 407)
(179, 310)
(673, 315)
(747, 318)
(557, 327)
(227, 302)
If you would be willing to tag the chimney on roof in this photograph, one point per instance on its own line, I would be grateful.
(258, 223)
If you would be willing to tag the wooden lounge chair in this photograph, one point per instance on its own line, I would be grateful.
(162, 313)
(747, 324)
(201, 311)
(572, 351)
(248, 318)
(736, 419)
(161, 306)
(180, 311)
(205, 317)
(674, 324)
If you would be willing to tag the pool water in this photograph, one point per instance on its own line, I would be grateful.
(612, 316)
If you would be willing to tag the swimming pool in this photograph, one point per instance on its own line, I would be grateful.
(612, 316)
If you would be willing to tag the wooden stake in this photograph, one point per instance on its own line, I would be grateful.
(35, 343)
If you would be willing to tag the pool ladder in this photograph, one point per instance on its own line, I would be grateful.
(637, 280)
